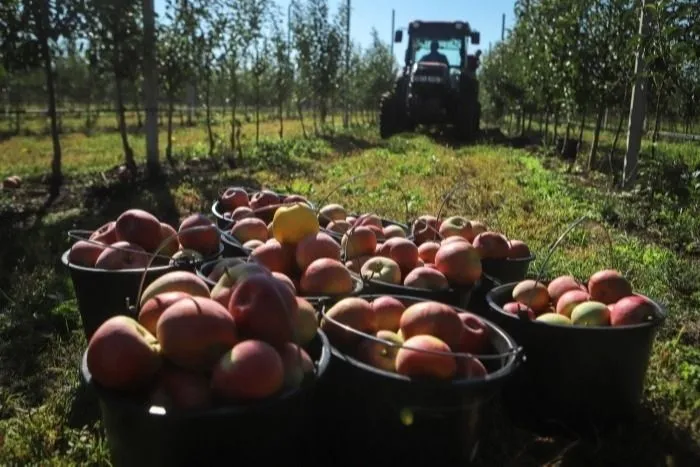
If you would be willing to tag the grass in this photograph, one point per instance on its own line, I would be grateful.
(47, 419)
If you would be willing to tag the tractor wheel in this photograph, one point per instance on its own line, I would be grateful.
(467, 124)
(387, 116)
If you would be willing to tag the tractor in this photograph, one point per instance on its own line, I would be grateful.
(438, 84)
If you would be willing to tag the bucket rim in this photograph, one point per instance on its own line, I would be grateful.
(76, 267)
(220, 215)
(409, 289)
(116, 398)
(229, 239)
(512, 361)
(660, 312)
(495, 261)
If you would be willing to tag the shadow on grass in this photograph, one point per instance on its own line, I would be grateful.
(346, 143)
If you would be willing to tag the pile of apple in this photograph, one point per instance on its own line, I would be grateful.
(607, 300)
(407, 335)
(188, 350)
(334, 218)
(293, 246)
(235, 203)
(130, 241)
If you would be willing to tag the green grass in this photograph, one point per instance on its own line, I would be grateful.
(46, 419)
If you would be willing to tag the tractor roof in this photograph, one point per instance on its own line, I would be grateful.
(439, 28)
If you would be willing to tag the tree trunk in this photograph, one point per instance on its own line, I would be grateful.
(580, 129)
(169, 144)
(281, 117)
(150, 88)
(529, 122)
(234, 101)
(257, 109)
(556, 127)
(207, 97)
(56, 173)
(596, 137)
(121, 123)
(91, 82)
(301, 118)
(545, 138)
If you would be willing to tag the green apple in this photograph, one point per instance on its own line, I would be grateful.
(591, 313)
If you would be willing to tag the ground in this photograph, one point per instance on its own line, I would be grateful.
(46, 417)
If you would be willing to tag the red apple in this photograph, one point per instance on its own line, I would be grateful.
(520, 310)
(326, 276)
(313, 247)
(459, 262)
(427, 251)
(533, 294)
(106, 234)
(205, 239)
(475, 335)
(353, 312)
(569, 300)
(518, 249)
(457, 226)
(492, 245)
(419, 358)
(264, 198)
(359, 241)
(425, 228)
(435, 319)
(632, 310)
(560, 285)
(122, 354)
(139, 227)
(426, 278)
(85, 253)
(250, 228)
(252, 369)
(608, 286)
(154, 307)
(405, 253)
(122, 255)
(388, 311)
(233, 198)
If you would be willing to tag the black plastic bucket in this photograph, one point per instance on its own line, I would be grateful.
(224, 223)
(477, 298)
(575, 377)
(232, 247)
(251, 435)
(367, 416)
(358, 286)
(508, 269)
(103, 293)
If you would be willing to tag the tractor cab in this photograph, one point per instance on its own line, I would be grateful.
(438, 83)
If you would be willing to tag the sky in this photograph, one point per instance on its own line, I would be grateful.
(484, 16)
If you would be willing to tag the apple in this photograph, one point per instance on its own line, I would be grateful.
(518, 249)
(175, 281)
(591, 313)
(370, 219)
(253, 244)
(417, 360)
(182, 390)
(608, 286)
(427, 251)
(122, 354)
(554, 318)
(295, 199)
(533, 294)
(291, 223)
(358, 241)
(560, 285)
(569, 300)
(384, 248)
(232, 198)
(388, 311)
(241, 212)
(456, 226)
(252, 369)
(139, 227)
(264, 308)
(459, 262)
(264, 198)
(306, 322)
(454, 239)
(426, 278)
(326, 276)
(122, 255)
(315, 246)
(632, 310)
(381, 269)
(249, 228)
(297, 364)
(205, 239)
(425, 228)
(172, 246)
(332, 212)
(354, 312)
(475, 335)
(150, 312)
(405, 253)
(231, 277)
(339, 226)
(492, 245)
(519, 310)
(393, 230)
(273, 256)
(433, 318)
(220, 267)
(106, 234)
(478, 227)
(85, 253)
(194, 332)
(378, 354)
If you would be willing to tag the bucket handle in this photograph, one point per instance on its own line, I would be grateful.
(326, 197)
(553, 247)
(516, 352)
